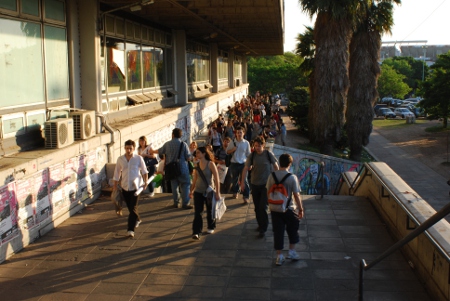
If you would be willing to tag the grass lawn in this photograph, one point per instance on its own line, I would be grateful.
(394, 123)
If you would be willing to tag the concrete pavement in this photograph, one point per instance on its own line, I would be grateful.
(88, 257)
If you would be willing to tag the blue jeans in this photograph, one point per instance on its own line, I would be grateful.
(184, 181)
(235, 171)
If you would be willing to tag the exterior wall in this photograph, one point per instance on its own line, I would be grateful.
(403, 210)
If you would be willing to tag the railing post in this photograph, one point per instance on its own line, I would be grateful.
(362, 266)
(322, 165)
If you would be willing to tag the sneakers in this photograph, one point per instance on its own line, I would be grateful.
(137, 224)
(235, 195)
(246, 201)
(293, 255)
(280, 260)
(210, 231)
(261, 234)
(187, 206)
(130, 233)
(152, 194)
(196, 236)
(119, 212)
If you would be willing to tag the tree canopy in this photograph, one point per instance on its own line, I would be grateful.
(391, 83)
(436, 90)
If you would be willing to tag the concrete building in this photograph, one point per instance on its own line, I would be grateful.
(79, 77)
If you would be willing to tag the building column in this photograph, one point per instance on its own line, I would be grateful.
(180, 78)
(214, 67)
(89, 59)
(231, 81)
(244, 70)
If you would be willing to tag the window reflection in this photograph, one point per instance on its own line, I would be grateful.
(115, 50)
(148, 64)
(133, 66)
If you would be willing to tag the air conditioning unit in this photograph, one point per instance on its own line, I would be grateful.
(58, 133)
(83, 124)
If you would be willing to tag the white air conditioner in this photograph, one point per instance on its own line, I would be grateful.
(83, 124)
(58, 133)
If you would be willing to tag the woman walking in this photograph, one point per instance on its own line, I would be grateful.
(204, 174)
(146, 151)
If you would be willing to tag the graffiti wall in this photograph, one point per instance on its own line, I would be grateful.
(312, 177)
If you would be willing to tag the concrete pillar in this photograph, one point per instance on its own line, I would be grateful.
(89, 55)
(180, 78)
(244, 70)
(231, 82)
(214, 67)
(74, 54)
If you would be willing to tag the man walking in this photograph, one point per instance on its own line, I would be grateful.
(260, 162)
(128, 171)
(240, 148)
(288, 220)
(171, 150)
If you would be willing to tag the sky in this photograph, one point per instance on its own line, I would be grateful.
(414, 20)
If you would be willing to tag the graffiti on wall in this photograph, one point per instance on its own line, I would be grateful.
(313, 177)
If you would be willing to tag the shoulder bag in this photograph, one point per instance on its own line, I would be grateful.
(173, 169)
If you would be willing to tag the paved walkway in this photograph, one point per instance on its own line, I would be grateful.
(88, 257)
(430, 185)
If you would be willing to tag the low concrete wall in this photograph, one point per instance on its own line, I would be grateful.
(403, 210)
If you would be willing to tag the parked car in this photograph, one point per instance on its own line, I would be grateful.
(395, 102)
(386, 113)
(379, 106)
(403, 112)
(418, 112)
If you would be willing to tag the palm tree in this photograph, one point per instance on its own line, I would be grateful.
(306, 49)
(332, 35)
(375, 19)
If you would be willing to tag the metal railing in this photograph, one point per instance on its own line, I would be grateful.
(422, 228)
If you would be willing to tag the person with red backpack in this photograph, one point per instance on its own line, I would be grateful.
(286, 209)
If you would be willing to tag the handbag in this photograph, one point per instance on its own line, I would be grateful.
(173, 169)
(218, 207)
(117, 199)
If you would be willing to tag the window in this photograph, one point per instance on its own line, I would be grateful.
(128, 66)
(223, 67)
(33, 45)
(237, 67)
(197, 67)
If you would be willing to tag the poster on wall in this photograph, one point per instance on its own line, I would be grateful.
(56, 187)
(27, 203)
(41, 190)
(82, 193)
(9, 227)
(70, 181)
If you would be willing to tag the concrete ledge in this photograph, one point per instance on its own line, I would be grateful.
(403, 210)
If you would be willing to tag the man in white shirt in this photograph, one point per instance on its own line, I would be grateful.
(132, 174)
(240, 148)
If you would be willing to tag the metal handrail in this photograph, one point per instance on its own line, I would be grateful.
(422, 228)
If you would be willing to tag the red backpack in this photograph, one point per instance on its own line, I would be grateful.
(278, 195)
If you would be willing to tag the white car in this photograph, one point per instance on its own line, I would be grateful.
(403, 112)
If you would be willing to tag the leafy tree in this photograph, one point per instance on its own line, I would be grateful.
(412, 69)
(392, 83)
(375, 18)
(275, 74)
(298, 108)
(436, 90)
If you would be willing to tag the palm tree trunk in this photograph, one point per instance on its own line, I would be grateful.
(332, 40)
(364, 54)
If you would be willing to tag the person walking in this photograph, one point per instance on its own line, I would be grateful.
(283, 132)
(288, 220)
(240, 148)
(146, 151)
(171, 150)
(204, 175)
(132, 173)
(260, 162)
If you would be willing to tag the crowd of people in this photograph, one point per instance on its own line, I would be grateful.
(234, 160)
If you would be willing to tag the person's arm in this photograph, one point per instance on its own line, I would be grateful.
(194, 181)
(243, 176)
(215, 174)
(144, 172)
(231, 149)
(117, 173)
(298, 202)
